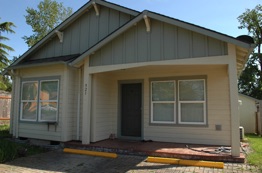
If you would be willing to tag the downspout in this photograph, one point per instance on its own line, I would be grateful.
(78, 105)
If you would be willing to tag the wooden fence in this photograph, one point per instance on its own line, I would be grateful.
(5, 107)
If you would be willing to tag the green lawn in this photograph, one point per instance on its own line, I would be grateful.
(255, 157)
(10, 150)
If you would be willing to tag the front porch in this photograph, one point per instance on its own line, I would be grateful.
(164, 149)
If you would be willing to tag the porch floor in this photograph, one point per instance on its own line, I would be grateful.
(163, 149)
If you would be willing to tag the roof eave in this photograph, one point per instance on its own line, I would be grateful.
(71, 19)
(35, 65)
(103, 42)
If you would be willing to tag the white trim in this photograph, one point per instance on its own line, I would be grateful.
(152, 102)
(41, 101)
(203, 101)
(38, 101)
(32, 101)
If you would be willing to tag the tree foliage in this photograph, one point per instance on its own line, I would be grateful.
(5, 27)
(46, 17)
(250, 81)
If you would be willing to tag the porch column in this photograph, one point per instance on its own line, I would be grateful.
(87, 95)
(234, 112)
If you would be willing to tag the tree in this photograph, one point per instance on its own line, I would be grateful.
(250, 81)
(5, 27)
(42, 20)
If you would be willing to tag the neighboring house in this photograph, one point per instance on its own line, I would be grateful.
(248, 109)
(139, 75)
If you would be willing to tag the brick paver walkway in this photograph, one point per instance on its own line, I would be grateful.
(57, 161)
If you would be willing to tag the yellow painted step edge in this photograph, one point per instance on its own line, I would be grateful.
(186, 162)
(91, 153)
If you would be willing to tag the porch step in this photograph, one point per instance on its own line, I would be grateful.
(156, 153)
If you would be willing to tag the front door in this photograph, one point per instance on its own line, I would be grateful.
(131, 99)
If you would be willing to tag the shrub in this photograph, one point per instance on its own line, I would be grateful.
(4, 131)
(8, 150)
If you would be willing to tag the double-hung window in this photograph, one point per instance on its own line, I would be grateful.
(192, 102)
(163, 101)
(29, 100)
(188, 96)
(39, 100)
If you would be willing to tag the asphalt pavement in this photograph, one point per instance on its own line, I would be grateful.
(57, 161)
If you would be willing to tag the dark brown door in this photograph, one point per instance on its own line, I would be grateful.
(131, 99)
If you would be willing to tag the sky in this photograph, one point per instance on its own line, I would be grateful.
(217, 15)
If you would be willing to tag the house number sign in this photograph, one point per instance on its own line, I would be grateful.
(85, 89)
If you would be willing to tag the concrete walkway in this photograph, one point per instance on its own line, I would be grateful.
(57, 161)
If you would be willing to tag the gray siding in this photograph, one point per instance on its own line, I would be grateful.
(83, 33)
(164, 42)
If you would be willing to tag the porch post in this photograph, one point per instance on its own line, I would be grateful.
(234, 112)
(87, 91)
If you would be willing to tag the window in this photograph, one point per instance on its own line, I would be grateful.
(29, 101)
(163, 104)
(190, 101)
(39, 100)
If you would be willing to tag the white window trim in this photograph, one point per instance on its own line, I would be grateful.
(203, 101)
(41, 101)
(152, 102)
(24, 101)
(38, 101)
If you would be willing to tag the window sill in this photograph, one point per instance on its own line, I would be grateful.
(178, 125)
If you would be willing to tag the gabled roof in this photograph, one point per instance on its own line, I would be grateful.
(246, 47)
(243, 48)
(71, 19)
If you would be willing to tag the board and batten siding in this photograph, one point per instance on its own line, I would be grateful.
(163, 42)
(218, 110)
(83, 33)
(40, 130)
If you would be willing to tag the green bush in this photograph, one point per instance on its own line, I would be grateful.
(8, 151)
(4, 131)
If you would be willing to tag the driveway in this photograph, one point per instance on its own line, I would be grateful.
(57, 161)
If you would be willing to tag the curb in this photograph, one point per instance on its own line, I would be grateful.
(91, 153)
(210, 164)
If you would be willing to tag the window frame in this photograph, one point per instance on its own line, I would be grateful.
(204, 104)
(38, 101)
(41, 101)
(152, 103)
(24, 101)
(177, 108)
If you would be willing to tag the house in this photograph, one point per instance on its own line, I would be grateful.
(250, 114)
(109, 70)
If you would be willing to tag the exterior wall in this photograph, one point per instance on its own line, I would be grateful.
(35, 129)
(163, 42)
(83, 33)
(247, 113)
(104, 107)
(218, 111)
(71, 103)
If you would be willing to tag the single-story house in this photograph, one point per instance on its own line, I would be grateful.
(110, 70)
(250, 114)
